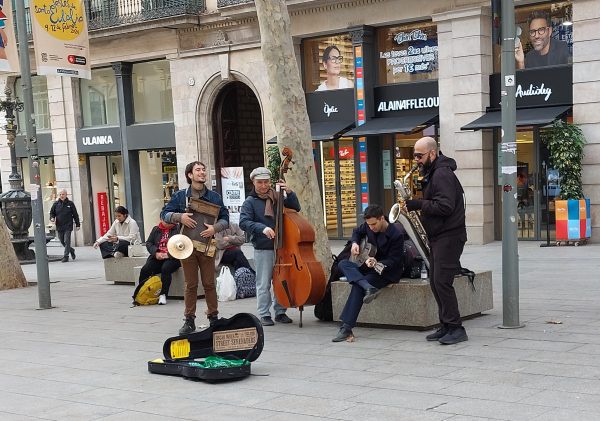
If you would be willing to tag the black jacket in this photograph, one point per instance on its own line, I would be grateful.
(443, 206)
(390, 252)
(64, 213)
(154, 239)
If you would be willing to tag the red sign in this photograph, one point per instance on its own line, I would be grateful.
(346, 152)
(103, 212)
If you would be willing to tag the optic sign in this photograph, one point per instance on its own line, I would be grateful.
(531, 90)
(420, 58)
(329, 109)
(408, 104)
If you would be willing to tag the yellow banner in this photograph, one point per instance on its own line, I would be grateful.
(9, 60)
(60, 38)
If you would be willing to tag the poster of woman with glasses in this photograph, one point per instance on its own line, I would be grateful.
(328, 63)
(332, 63)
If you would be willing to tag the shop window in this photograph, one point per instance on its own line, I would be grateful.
(48, 187)
(41, 110)
(328, 63)
(407, 53)
(158, 171)
(544, 35)
(152, 98)
(99, 99)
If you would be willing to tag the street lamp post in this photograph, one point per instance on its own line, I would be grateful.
(16, 203)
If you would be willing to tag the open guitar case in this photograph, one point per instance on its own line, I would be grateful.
(239, 338)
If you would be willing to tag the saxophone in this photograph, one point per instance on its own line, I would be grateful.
(411, 221)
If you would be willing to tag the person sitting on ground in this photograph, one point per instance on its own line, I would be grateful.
(123, 232)
(159, 261)
(377, 271)
(229, 251)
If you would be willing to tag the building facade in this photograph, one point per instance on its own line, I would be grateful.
(171, 87)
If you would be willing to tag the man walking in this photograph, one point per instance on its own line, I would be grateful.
(443, 217)
(176, 211)
(63, 213)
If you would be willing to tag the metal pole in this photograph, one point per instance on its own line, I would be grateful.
(39, 229)
(510, 251)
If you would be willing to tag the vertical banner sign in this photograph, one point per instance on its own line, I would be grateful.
(232, 185)
(360, 120)
(9, 60)
(103, 212)
(60, 38)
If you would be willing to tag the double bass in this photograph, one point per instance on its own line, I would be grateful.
(298, 277)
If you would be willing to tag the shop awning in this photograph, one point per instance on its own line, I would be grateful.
(326, 130)
(405, 124)
(525, 117)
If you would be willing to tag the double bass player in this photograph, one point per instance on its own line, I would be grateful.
(257, 217)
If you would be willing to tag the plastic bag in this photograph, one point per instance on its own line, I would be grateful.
(136, 250)
(226, 288)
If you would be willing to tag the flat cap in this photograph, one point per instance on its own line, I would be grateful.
(260, 173)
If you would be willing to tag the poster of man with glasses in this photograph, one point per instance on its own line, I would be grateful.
(545, 49)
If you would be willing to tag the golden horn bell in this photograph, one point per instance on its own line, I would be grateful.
(180, 246)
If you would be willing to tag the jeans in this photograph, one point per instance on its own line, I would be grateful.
(65, 240)
(264, 261)
(163, 267)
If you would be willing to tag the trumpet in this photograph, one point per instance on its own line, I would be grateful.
(410, 220)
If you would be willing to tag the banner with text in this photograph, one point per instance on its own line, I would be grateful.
(232, 186)
(9, 60)
(60, 38)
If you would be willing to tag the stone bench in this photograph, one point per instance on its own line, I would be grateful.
(121, 270)
(177, 283)
(410, 303)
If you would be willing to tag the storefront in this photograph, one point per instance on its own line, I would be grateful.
(544, 93)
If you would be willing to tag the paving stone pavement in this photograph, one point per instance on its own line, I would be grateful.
(85, 359)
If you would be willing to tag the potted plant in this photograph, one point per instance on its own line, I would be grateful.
(565, 142)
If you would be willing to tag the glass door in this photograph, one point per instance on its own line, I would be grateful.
(339, 187)
(527, 171)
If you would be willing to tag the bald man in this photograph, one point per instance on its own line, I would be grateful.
(63, 213)
(443, 217)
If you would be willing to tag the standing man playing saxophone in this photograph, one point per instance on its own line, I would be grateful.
(443, 217)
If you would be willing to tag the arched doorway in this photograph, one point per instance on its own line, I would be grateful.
(237, 131)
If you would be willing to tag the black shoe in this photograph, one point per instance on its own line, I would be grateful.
(65, 259)
(283, 318)
(73, 254)
(189, 326)
(370, 295)
(267, 321)
(213, 319)
(454, 336)
(343, 335)
(438, 334)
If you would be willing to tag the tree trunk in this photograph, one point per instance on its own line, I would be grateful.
(290, 116)
(11, 275)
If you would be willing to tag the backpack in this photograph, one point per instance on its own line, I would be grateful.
(324, 308)
(147, 293)
(245, 281)
(412, 260)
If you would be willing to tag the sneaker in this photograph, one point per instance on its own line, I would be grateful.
(283, 318)
(118, 255)
(438, 334)
(188, 327)
(65, 259)
(370, 295)
(213, 319)
(343, 335)
(162, 299)
(454, 336)
(267, 321)
(73, 254)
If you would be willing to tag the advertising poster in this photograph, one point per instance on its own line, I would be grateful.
(330, 63)
(60, 38)
(9, 60)
(103, 220)
(232, 185)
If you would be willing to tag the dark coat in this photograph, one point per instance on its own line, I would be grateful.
(390, 252)
(443, 204)
(254, 221)
(154, 239)
(64, 213)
